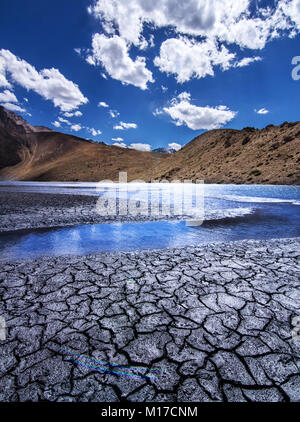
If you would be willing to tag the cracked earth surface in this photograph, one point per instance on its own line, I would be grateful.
(215, 323)
(27, 210)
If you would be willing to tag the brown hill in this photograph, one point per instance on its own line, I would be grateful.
(38, 153)
(270, 155)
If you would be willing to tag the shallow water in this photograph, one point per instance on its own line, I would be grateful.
(232, 212)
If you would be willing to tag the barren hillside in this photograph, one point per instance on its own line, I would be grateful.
(35, 153)
(270, 155)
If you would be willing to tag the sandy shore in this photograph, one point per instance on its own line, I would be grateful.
(194, 324)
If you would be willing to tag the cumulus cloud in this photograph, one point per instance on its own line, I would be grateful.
(10, 101)
(49, 83)
(76, 128)
(3, 81)
(123, 126)
(175, 146)
(182, 112)
(117, 139)
(76, 114)
(187, 59)
(226, 20)
(112, 54)
(120, 145)
(140, 147)
(8, 97)
(94, 132)
(56, 124)
(225, 23)
(103, 104)
(130, 16)
(262, 111)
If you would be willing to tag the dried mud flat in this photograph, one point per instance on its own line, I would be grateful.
(194, 324)
(27, 210)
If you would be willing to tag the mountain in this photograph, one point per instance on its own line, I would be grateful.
(36, 153)
(165, 150)
(270, 155)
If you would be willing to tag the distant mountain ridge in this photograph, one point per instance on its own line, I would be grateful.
(270, 155)
(165, 150)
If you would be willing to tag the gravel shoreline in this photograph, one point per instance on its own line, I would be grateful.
(209, 323)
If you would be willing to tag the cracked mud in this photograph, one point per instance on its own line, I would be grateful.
(211, 324)
(24, 210)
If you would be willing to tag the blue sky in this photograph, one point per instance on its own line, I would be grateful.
(167, 70)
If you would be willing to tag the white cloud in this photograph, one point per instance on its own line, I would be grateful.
(49, 83)
(103, 104)
(175, 146)
(123, 126)
(94, 132)
(226, 20)
(130, 16)
(3, 81)
(187, 59)
(76, 114)
(13, 107)
(117, 139)
(10, 101)
(246, 61)
(114, 113)
(121, 145)
(112, 54)
(56, 124)
(8, 97)
(183, 112)
(226, 23)
(157, 112)
(62, 120)
(76, 128)
(292, 10)
(140, 147)
(262, 111)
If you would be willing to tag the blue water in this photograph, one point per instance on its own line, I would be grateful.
(232, 212)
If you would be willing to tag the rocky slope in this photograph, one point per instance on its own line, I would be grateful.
(270, 156)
